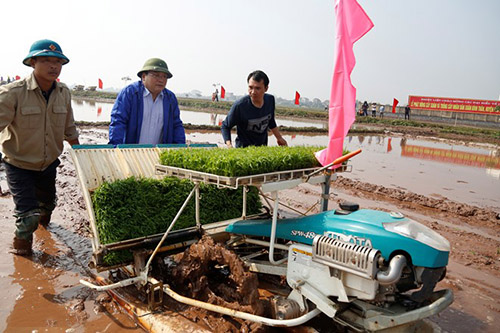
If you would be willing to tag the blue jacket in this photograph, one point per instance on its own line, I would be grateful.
(127, 112)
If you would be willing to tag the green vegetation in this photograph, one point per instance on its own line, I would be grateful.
(94, 94)
(132, 208)
(241, 161)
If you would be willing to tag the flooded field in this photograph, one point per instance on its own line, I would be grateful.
(43, 293)
(437, 168)
(99, 111)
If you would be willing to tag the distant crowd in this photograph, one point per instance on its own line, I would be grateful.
(372, 108)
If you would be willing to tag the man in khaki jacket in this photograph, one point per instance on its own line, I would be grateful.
(35, 118)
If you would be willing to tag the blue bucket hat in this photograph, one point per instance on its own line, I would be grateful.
(45, 48)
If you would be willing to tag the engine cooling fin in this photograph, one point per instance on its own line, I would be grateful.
(346, 256)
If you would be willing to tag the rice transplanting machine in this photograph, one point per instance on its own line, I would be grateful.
(368, 270)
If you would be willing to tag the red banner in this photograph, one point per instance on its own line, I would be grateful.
(451, 156)
(100, 84)
(453, 104)
(222, 92)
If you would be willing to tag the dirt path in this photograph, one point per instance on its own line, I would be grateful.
(42, 293)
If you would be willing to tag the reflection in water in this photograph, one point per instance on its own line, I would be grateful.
(403, 142)
(98, 111)
(37, 306)
(84, 110)
(451, 156)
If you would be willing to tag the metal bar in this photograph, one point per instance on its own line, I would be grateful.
(232, 182)
(242, 315)
(273, 232)
(244, 210)
(265, 197)
(326, 193)
(197, 206)
(264, 243)
(146, 268)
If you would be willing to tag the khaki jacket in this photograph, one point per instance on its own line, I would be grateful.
(32, 131)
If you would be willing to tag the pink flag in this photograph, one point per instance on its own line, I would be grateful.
(352, 23)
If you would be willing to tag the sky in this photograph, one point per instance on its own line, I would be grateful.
(445, 48)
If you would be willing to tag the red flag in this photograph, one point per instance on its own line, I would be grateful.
(99, 111)
(352, 23)
(18, 77)
(222, 92)
(389, 146)
(394, 104)
(297, 98)
(100, 84)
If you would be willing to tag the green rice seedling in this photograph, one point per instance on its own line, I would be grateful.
(242, 161)
(132, 208)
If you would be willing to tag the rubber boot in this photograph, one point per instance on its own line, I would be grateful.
(45, 213)
(44, 218)
(21, 247)
(26, 224)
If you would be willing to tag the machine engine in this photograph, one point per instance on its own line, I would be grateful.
(346, 271)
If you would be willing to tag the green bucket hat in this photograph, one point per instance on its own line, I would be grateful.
(155, 64)
(45, 48)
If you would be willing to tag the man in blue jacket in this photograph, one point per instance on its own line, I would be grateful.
(145, 111)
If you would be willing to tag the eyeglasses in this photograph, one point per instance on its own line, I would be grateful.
(158, 76)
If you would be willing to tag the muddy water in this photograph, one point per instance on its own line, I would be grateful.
(437, 168)
(42, 293)
(432, 168)
(100, 111)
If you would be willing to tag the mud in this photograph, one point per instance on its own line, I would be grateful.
(42, 292)
(209, 272)
(489, 217)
